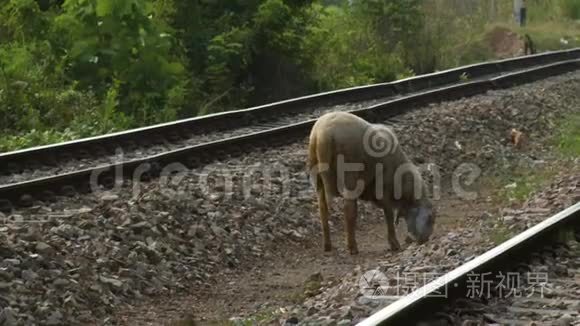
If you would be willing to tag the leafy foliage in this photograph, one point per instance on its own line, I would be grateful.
(117, 42)
(77, 68)
(344, 52)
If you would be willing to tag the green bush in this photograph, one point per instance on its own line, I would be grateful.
(343, 51)
(113, 40)
(570, 9)
(79, 68)
(35, 138)
(34, 95)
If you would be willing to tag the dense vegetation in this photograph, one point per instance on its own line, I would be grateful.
(76, 68)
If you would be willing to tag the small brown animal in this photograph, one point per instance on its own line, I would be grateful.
(529, 47)
(517, 138)
(386, 177)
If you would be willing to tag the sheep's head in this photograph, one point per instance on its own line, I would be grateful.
(420, 221)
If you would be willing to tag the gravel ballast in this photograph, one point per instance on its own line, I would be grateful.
(364, 292)
(78, 259)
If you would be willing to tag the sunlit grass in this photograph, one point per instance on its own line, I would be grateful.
(568, 138)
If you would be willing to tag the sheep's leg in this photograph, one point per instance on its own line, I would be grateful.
(389, 217)
(350, 214)
(324, 213)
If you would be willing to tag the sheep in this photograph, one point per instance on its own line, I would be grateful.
(344, 162)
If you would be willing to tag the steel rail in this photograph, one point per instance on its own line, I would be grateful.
(16, 161)
(25, 193)
(416, 307)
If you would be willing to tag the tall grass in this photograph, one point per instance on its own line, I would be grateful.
(456, 31)
(570, 9)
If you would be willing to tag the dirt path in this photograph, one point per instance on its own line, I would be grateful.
(281, 279)
(278, 279)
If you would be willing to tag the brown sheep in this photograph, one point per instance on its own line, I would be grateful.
(386, 177)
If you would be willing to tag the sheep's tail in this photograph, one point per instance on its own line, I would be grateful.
(313, 161)
(320, 154)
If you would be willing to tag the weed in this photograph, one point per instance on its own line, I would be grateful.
(500, 234)
(567, 139)
(261, 318)
(265, 317)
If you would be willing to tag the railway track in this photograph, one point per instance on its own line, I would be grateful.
(547, 294)
(531, 279)
(49, 188)
(46, 161)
